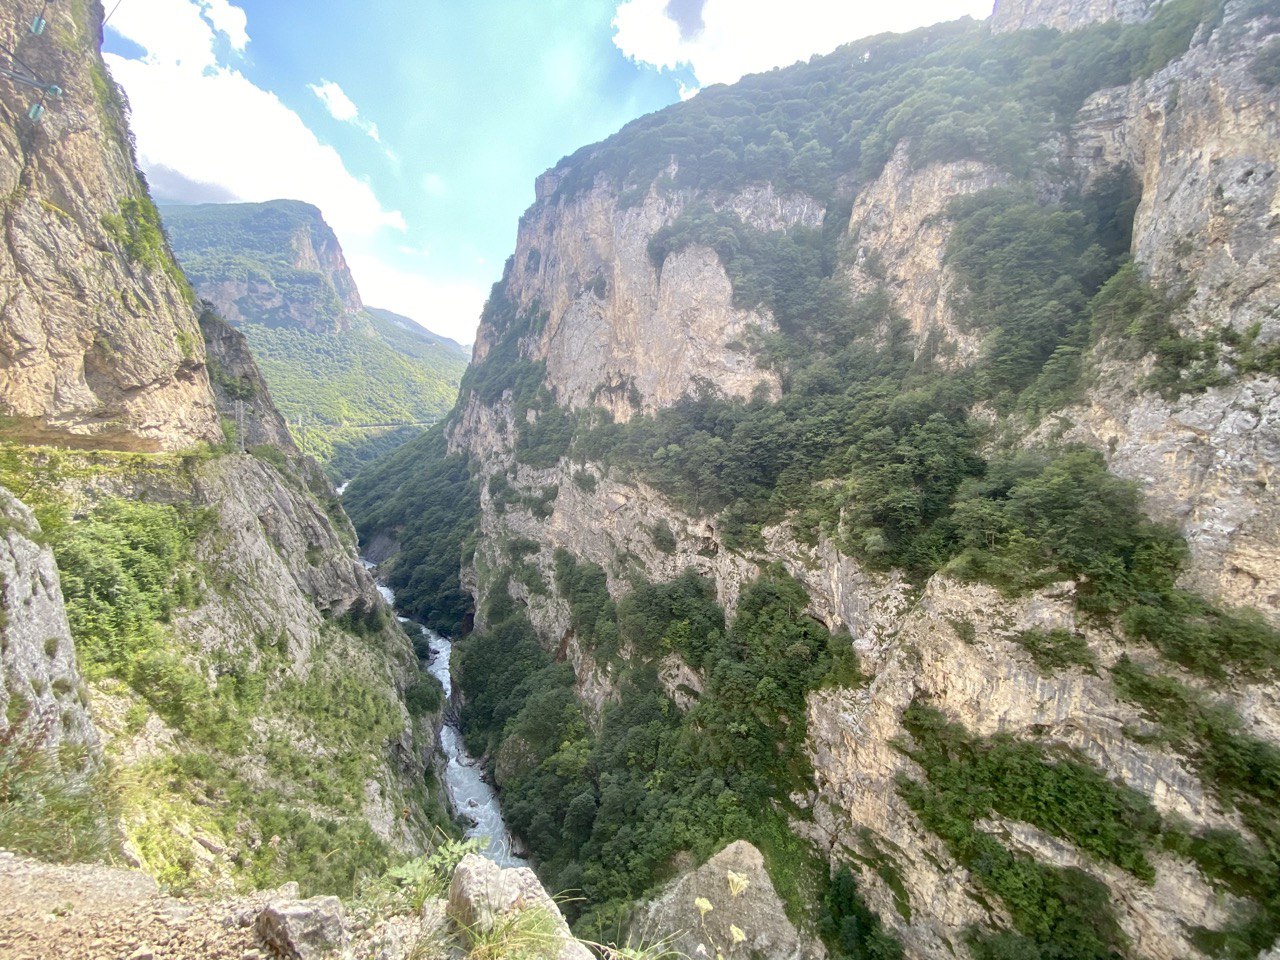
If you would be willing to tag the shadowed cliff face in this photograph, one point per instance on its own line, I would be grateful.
(99, 345)
(194, 612)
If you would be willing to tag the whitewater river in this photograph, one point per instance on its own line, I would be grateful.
(473, 800)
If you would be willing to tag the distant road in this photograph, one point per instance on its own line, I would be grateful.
(369, 426)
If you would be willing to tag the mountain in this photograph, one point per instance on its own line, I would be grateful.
(197, 674)
(353, 382)
(870, 463)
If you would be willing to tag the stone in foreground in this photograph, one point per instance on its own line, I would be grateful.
(303, 929)
(726, 905)
(485, 898)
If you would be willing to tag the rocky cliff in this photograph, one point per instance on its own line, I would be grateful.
(98, 338)
(42, 691)
(354, 383)
(183, 601)
(1029, 14)
(667, 293)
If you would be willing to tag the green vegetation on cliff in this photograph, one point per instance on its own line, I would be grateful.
(251, 745)
(605, 812)
(898, 453)
(424, 499)
(953, 91)
(350, 397)
(353, 383)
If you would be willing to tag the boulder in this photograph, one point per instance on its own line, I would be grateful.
(726, 906)
(303, 929)
(484, 898)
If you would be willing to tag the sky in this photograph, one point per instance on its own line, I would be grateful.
(419, 126)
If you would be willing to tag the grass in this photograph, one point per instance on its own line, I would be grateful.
(260, 753)
(49, 809)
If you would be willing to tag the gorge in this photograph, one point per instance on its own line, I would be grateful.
(855, 535)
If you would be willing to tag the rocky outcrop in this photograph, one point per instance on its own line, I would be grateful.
(955, 650)
(260, 646)
(625, 333)
(1206, 462)
(245, 405)
(1205, 227)
(1206, 230)
(41, 692)
(898, 238)
(109, 912)
(1012, 15)
(726, 905)
(1200, 137)
(99, 345)
(509, 910)
(243, 396)
(303, 929)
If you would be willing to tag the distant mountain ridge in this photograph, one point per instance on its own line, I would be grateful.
(352, 381)
(406, 333)
(277, 263)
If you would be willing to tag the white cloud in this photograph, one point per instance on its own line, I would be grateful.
(749, 36)
(215, 127)
(342, 107)
(449, 308)
(208, 132)
(171, 31)
(229, 20)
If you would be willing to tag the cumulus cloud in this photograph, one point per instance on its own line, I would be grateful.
(174, 31)
(342, 107)
(723, 40)
(214, 126)
(228, 20)
(201, 122)
(206, 133)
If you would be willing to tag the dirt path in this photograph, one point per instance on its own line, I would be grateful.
(87, 912)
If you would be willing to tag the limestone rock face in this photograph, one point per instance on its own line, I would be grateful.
(242, 394)
(1201, 136)
(1012, 15)
(1201, 139)
(624, 332)
(486, 900)
(40, 686)
(99, 345)
(290, 270)
(899, 233)
(955, 650)
(725, 906)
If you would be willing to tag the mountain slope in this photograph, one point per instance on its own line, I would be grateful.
(200, 676)
(352, 382)
(870, 461)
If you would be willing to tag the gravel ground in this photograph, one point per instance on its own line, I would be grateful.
(89, 912)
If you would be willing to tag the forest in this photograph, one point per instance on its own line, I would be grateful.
(874, 447)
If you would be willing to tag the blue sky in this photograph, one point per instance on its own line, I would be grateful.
(418, 126)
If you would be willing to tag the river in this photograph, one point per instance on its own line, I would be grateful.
(472, 799)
